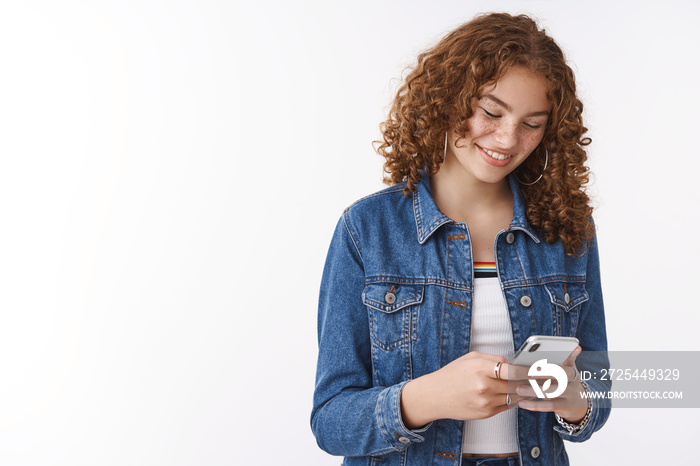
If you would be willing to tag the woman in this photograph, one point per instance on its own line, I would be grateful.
(484, 238)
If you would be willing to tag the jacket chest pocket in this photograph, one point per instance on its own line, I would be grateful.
(393, 313)
(566, 299)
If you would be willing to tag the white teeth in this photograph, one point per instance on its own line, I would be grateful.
(496, 155)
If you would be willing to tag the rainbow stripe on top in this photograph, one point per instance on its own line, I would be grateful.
(485, 269)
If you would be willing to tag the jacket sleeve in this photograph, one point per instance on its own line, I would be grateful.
(594, 344)
(350, 416)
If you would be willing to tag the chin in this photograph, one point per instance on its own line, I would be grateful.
(492, 178)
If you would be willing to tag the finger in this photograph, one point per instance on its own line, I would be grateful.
(493, 366)
(503, 387)
(571, 372)
(569, 365)
(516, 374)
(566, 399)
(571, 360)
(504, 398)
(525, 391)
(515, 399)
(512, 372)
(538, 405)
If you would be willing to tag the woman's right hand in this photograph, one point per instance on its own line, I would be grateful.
(466, 388)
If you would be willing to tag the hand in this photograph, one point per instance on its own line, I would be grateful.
(570, 405)
(466, 388)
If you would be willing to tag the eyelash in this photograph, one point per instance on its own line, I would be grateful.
(491, 115)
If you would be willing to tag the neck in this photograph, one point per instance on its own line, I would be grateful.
(457, 193)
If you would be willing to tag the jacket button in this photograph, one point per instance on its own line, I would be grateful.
(404, 440)
(566, 298)
(510, 237)
(390, 298)
(535, 452)
(526, 301)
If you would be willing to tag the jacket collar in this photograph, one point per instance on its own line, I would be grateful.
(429, 217)
(519, 221)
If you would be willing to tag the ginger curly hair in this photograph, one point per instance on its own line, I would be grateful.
(437, 95)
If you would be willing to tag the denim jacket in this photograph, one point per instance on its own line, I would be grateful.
(371, 344)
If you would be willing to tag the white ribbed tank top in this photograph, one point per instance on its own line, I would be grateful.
(491, 333)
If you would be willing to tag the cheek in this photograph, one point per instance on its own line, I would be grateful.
(481, 126)
(532, 139)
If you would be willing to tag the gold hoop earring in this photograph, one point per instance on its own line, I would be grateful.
(546, 160)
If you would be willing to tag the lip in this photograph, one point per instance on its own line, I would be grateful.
(495, 162)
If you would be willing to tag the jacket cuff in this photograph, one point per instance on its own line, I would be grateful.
(599, 414)
(390, 422)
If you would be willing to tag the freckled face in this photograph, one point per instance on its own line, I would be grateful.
(507, 125)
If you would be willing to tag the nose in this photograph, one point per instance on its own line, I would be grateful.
(507, 135)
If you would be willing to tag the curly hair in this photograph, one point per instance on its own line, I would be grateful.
(437, 96)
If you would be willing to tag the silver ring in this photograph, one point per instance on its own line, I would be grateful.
(576, 374)
(497, 370)
(508, 400)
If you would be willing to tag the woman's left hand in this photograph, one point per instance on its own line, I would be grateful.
(570, 405)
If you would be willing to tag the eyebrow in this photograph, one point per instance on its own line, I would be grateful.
(508, 107)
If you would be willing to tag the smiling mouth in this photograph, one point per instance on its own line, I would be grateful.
(495, 155)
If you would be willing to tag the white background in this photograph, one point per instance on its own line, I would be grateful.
(171, 175)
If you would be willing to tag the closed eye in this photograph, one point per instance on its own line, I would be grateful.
(490, 114)
(533, 126)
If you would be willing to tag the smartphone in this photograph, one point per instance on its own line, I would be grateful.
(536, 347)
